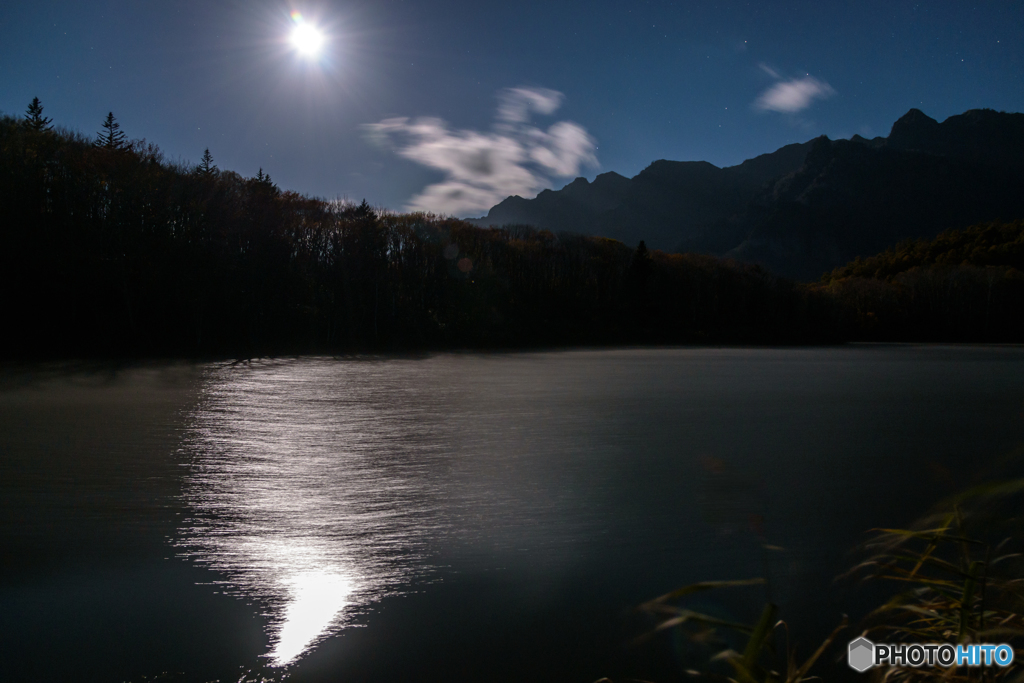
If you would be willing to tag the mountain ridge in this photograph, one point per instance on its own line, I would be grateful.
(667, 200)
(806, 207)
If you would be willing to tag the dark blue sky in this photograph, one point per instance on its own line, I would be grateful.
(719, 81)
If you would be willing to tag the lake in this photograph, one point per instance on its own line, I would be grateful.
(462, 517)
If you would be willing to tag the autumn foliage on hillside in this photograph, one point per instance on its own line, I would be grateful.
(964, 285)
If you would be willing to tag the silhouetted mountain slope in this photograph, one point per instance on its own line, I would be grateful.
(765, 167)
(856, 198)
(982, 135)
(667, 202)
(805, 208)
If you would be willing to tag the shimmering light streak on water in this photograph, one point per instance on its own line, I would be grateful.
(300, 487)
(316, 600)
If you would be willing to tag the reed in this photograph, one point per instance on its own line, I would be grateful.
(957, 581)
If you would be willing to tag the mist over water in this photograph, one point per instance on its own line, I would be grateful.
(438, 517)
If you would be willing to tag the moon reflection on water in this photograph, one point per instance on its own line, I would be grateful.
(300, 496)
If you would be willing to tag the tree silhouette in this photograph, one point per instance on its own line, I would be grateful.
(641, 264)
(364, 210)
(34, 116)
(111, 137)
(206, 166)
(264, 178)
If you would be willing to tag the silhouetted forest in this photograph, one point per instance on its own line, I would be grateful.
(964, 285)
(111, 250)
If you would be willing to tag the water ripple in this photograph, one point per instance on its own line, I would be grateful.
(310, 486)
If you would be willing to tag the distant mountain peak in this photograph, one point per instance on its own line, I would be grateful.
(578, 186)
(915, 117)
(611, 184)
(664, 164)
(978, 116)
(912, 129)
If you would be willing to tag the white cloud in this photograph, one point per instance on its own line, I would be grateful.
(794, 95)
(563, 148)
(482, 168)
(516, 103)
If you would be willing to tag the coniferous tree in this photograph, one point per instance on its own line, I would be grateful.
(34, 116)
(364, 210)
(264, 182)
(111, 137)
(206, 165)
(641, 264)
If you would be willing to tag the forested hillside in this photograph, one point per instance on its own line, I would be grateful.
(964, 285)
(108, 249)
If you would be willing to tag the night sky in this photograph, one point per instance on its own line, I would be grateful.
(450, 105)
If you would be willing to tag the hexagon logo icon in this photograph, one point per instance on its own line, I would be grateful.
(861, 655)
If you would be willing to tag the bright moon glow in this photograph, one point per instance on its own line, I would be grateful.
(305, 37)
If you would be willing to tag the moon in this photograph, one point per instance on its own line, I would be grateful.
(306, 38)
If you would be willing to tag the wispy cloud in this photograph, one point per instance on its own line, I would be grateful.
(793, 95)
(516, 103)
(770, 71)
(482, 168)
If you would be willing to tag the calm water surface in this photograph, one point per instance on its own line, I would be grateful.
(460, 517)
